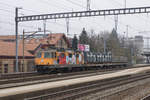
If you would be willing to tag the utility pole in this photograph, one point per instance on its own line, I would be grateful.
(67, 25)
(88, 5)
(116, 22)
(125, 3)
(127, 30)
(23, 42)
(104, 44)
(16, 29)
(44, 25)
(23, 48)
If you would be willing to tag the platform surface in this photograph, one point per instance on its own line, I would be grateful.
(49, 85)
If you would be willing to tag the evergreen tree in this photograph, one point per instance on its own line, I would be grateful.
(113, 43)
(83, 38)
(75, 43)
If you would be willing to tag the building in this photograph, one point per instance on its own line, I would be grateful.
(139, 43)
(7, 58)
(31, 47)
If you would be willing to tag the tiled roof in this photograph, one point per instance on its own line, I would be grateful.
(51, 39)
(6, 37)
(8, 49)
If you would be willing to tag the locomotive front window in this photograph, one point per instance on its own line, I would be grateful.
(39, 55)
(53, 54)
(47, 55)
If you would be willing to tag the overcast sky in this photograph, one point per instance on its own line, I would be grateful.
(136, 23)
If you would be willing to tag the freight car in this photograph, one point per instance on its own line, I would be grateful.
(61, 59)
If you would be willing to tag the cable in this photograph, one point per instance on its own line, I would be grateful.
(47, 3)
(7, 11)
(10, 23)
(121, 23)
(77, 4)
(8, 5)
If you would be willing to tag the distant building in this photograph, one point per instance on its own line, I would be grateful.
(139, 43)
(31, 47)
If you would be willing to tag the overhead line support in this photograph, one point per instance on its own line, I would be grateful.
(16, 29)
(120, 11)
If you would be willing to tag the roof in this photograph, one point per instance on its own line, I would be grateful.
(54, 38)
(7, 37)
(51, 39)
(29, 46)
(9, 48)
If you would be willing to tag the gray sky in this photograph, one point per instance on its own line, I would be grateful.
(137, 23)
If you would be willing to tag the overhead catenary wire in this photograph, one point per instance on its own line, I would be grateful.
(75, 3)
(12, 24)
(56, 7)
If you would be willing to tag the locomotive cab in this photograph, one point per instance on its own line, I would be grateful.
(46, 58)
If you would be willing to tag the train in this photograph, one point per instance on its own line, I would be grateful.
(58, 59)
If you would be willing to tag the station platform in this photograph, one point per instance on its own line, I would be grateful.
(62, 83)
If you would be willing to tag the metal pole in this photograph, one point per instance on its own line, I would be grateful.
(116, 22)
(23, 49)
(104, 46)
(16, 29)
(127, 30)
(44, 24)
(67, 25)
(88, 5)
(125, 3)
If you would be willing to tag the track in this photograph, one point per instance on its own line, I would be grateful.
(80, 90)
(79, 87)
(22, 79)
(146, 98)
(50, 78)
(17, 75)
(28, 74)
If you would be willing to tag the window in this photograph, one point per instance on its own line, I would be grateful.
(39, 55)
(47, 55)
(19, 66)
(5, 68)
(23, 67)
(53, 54)
(0, 67)
(14, 63)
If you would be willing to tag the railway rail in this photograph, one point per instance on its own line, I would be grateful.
(76, 87)
(49, 78)
(18, 74)
(74, 92)
(27, 74)
(146, 97)
(22, 79)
